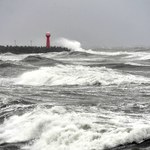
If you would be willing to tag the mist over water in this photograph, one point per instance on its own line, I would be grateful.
(82, 99)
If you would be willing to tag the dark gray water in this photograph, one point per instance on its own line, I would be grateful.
(79, 100)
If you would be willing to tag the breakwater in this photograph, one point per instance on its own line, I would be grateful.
(29, 49)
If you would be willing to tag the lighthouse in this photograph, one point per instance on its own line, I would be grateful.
(48, 40)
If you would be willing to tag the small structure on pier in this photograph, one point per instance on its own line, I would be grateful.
(48, 40)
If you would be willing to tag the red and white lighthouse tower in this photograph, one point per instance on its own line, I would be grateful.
(48, 40)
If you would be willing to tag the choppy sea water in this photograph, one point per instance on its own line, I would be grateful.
(78, 100)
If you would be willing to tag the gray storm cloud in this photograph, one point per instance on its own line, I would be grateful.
(95, 23)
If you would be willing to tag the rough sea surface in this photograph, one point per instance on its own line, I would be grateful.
(79, 100)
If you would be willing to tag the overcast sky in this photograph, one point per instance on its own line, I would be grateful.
(95, 23)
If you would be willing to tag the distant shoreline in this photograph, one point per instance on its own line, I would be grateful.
(29, 49)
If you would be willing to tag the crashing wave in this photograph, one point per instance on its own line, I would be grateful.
(76, 46)
(77, 75)
(56, 128)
